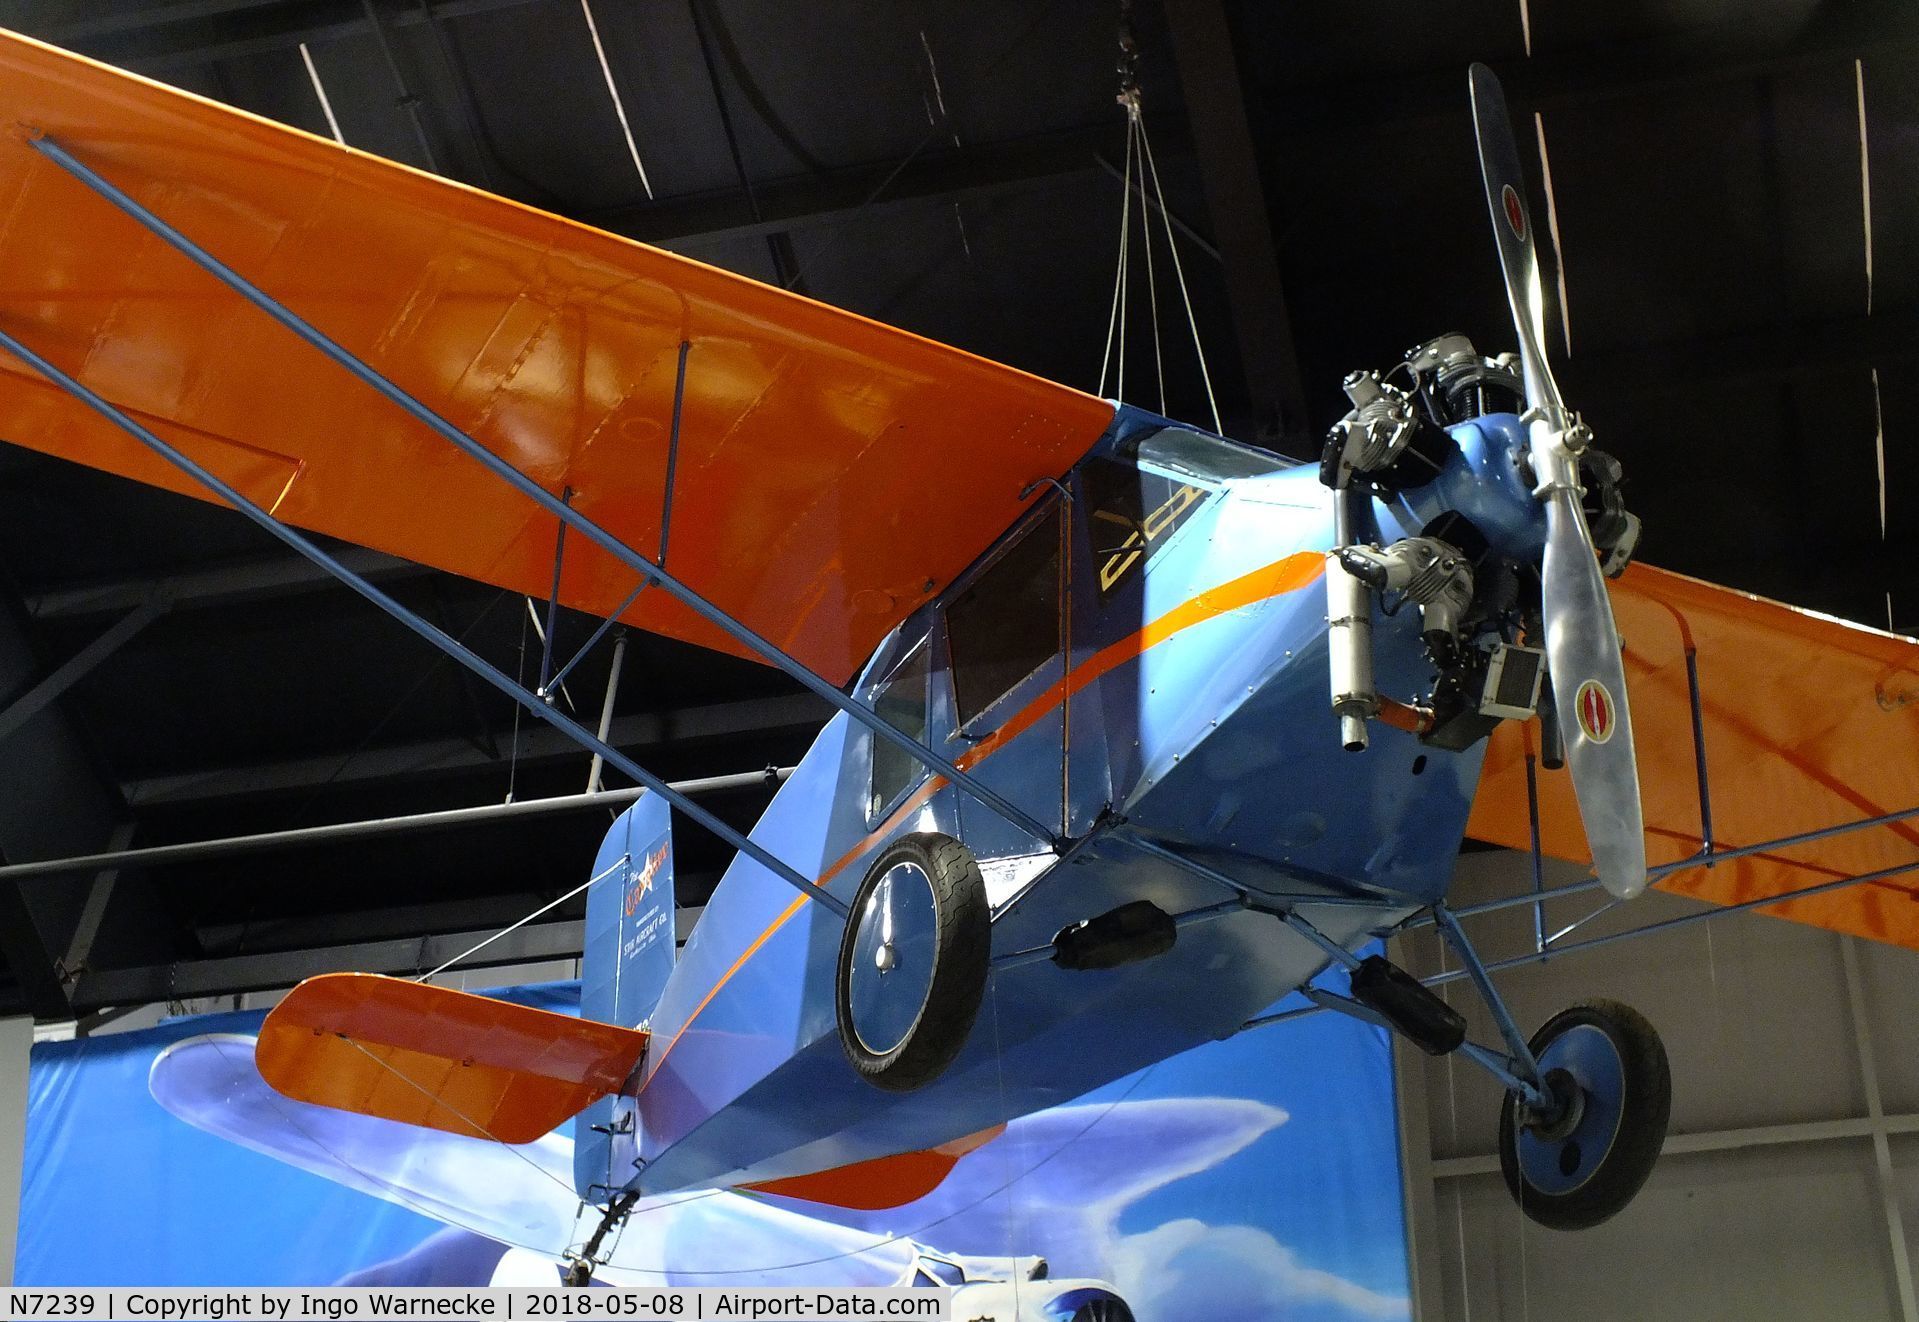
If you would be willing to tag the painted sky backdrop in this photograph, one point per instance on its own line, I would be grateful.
(1254, 1178)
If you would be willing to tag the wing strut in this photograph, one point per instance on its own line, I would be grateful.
(513, 477)
(499, 679)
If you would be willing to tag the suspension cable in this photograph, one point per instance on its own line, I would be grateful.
(1116, 319)
(1138, 133)
(1140, 170)
(1179, 269)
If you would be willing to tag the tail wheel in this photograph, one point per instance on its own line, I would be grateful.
(913, 962)
(1608, 1074)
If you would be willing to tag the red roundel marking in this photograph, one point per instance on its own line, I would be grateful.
(1595, 710)
(1515, 213)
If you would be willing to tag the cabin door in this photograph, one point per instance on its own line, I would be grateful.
(1005, 633)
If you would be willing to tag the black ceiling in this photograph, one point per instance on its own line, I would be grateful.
(952, 168)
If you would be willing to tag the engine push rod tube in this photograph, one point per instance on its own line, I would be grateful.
(438, 638)
(539, 495)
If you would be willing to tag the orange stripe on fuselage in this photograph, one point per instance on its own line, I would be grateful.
(1276, 579)
(1273, 580)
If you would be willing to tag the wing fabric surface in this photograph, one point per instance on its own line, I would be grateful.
(1809, 723)
(812, 439)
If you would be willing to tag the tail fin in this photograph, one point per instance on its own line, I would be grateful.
(629, 950)
(628, 956)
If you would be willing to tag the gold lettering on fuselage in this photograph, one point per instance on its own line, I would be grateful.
(1140, 540)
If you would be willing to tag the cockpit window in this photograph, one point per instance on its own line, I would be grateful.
(1006, 625)
(1130, 513)
(1208, 458)
(932, 1271)
(900, 700)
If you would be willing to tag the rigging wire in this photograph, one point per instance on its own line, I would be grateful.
(395, 1193)
(1179, 269)
(623, 860)
(445, 1105)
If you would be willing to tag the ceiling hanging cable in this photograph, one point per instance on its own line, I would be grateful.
(1179, 270)
(1115, 320)
(406, 99)
(1140, 171)
(786, 271)
(1146, 233)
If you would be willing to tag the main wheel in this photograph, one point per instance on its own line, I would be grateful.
(1608, 1073)
(913, 961)
(1108, 1309)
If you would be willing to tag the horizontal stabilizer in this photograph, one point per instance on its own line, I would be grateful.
(884, 1182)
(440, 1058)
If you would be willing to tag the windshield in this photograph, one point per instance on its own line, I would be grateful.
(1208, 458)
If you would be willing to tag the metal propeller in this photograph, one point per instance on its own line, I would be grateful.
(1582, 642)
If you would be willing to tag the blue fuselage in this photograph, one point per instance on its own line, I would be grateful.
(1141, 659)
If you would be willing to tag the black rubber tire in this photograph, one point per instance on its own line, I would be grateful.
(960, 964)
(1645, 1107)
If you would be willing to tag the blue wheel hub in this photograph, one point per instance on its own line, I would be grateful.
(895, 954)
(1561, 1157)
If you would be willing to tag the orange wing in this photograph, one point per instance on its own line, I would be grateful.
(833, 472)
(1810, 722)
(444, 1059)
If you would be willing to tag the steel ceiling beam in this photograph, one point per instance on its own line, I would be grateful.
(77, 667)
(1590, 75)
(871, 190)
(1242, 224)
(408, 922)
(56, 802)
(794, 714)
(243, 973)
(111, 20)
(333, 833)
(197, 32)
(216, 585)
(1889, 336)
(272, 970)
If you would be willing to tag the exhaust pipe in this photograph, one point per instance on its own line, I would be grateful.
(1349, 634)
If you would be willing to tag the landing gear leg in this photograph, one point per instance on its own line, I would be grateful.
(579, 1269)
(1588, 1098)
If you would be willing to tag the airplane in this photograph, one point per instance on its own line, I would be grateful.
(1138, 729)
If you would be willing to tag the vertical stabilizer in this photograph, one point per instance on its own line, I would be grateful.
(628, 956)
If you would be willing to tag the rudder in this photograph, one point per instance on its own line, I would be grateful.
(628, 956)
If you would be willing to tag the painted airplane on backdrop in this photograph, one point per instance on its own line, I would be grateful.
(1088, 799)
(1074, 1172)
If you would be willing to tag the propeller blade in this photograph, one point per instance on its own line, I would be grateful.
(1513, 228)
(1588, 677)
(1582, 641)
